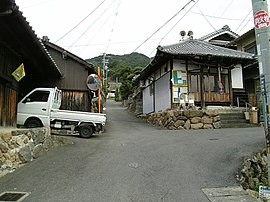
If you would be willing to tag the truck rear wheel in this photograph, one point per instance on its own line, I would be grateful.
(86, 131)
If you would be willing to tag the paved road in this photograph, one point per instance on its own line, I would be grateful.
(135, 161)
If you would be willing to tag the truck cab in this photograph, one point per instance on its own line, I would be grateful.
(41, 107)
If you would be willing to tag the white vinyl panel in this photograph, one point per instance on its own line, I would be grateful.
(162, 93)
(148, 102)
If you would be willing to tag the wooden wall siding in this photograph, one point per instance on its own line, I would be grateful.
(212, 97)
(11, 107)
(8, 63)
(74, 73)
(76, 101)
(8, 86)
(8, 105)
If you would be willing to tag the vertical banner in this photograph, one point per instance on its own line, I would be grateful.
(19, 73)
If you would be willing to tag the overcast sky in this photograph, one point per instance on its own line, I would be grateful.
(121, 26)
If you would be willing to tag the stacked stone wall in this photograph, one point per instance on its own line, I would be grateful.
(186, 119)
(18, 147)
(254, 172)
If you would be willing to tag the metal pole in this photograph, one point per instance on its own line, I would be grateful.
(99, 98)
(103, 68)
(261, 22)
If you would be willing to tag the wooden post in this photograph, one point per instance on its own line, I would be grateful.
(202, 86)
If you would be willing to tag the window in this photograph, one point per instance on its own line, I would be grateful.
(38, 96)
(194, 83)
(151, 89)
(210, 83)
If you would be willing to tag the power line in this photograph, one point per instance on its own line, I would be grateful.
(175, 25)
(216, 17)
(207, 19)
(98, 31)
(102, 44)
(163, 25)
(243, 21)
(226, 8)
(93, 23)
(116, 14)
(81, 21)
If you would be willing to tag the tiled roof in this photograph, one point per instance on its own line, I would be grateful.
(201, 48)
(224, 29)
(19, 36)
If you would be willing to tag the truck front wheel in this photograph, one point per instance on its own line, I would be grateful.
(33, 123)
(86, 131)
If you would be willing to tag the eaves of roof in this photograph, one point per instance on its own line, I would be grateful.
(191, 49)
(201, 48)
(224, 30)
(18, 35)
(69, 54)
(248, 33)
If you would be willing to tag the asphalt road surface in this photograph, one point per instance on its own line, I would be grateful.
(135, 161)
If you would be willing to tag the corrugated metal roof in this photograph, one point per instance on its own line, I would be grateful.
(201, 48)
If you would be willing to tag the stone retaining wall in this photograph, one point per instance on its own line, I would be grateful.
(254, 172)
(185, 119)
(18, 147)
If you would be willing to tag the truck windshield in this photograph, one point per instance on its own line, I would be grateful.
(38, 96)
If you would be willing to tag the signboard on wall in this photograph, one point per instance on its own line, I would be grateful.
(179, 77)
(179, 80)
(177, 91)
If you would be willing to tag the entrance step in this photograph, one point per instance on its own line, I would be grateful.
(234, 120)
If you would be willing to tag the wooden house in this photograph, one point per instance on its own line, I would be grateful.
(45, 65)
(222, 37)
(19, 44)
(251, 92)
(75, 70)
(192, 69)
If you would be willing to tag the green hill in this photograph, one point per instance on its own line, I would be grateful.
(132, 60)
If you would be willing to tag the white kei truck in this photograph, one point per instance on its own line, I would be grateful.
(41, 107)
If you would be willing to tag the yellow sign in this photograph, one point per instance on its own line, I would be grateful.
(19, 73)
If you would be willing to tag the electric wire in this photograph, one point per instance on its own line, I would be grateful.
(245, 24)
(243, 21)
(93, 23)
(174, 26)
(216, 17)
(207, 19)
(102, 44)
(81, 21)
(92, 38)
(163, 25)
(226, 8)
(112, 30)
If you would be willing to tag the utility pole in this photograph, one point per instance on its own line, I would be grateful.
(104, 70)
(261, 23)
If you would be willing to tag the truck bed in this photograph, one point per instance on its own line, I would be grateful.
(78, 116)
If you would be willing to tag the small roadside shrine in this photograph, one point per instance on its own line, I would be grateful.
(192, 71)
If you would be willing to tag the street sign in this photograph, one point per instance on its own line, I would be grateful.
(261, 19)
(264, 192)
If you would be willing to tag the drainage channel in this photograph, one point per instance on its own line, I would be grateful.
(13, 196)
